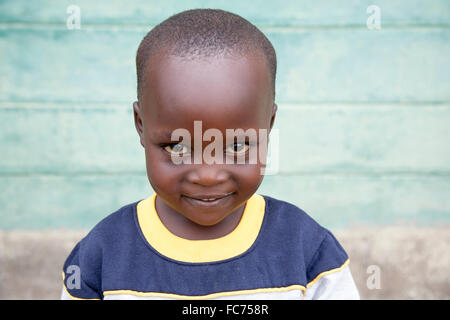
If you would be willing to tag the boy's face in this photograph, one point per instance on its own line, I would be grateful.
(223, 93)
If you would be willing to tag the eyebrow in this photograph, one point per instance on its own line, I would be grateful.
(166, 136)
(162, 134)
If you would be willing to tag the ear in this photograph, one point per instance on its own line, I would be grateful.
(139, 124)
(274, 112)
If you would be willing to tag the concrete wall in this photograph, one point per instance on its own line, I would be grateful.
(364, 124)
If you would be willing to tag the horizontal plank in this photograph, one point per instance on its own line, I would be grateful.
(58, 141)
(79, 202)
(56, 65)
(41, 202)
(338, 202)
(363, 66)
(313, 139)
(313, 66)
(382, 138)
(289, 12)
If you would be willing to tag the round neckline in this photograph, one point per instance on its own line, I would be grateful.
(239, 240)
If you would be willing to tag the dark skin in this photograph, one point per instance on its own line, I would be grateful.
(224, 93)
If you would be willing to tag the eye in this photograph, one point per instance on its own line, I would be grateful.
(176, 148)
(238, 148)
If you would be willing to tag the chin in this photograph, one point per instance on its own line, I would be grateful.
(208, 223)
(208, 220)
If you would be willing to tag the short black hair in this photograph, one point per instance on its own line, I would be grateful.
(201, 33)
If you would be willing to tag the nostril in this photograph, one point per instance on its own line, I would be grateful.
(207, 181)
(207, 176)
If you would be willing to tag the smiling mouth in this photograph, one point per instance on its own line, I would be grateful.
(212, 199)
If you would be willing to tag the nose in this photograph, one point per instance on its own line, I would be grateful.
(207, 175)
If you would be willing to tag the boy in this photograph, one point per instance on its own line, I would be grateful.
(205, 233)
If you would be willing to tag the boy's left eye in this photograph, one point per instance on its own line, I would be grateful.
(238, 148)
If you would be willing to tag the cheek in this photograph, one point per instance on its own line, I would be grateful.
(248, 177)
(162, 174)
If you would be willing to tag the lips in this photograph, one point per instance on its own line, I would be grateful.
(208, 199)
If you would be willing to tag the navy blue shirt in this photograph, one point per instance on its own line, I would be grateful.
(289, 252)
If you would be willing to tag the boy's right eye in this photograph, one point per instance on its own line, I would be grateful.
(176, 148)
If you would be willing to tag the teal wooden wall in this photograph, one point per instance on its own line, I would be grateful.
(364, 115)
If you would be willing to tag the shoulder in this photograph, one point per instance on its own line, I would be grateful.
(320, 250)
(109, 237)
(114, 225)
(290, 218)
(117, 225)
(120, 223)
(284, 211)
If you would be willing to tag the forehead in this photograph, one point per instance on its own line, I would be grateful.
(222, 92)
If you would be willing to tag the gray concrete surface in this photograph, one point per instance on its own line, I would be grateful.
(411, 262)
